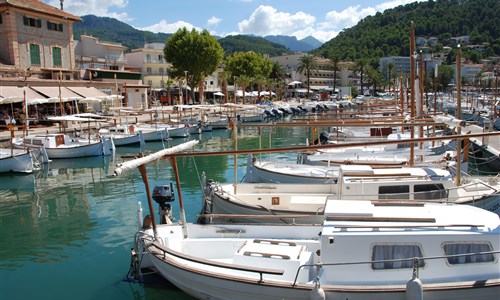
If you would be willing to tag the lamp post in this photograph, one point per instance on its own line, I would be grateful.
(186, 75)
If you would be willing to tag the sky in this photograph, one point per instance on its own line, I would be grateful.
(322, 19)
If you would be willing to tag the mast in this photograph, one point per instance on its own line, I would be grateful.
(412, 92)
(459, 115)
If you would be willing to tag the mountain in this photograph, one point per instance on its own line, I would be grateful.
(112, 30)
(291, 42)
(387, 33)
(234, 43)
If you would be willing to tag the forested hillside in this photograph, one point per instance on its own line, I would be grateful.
(244, 43)
(387, 33)
(112, 30)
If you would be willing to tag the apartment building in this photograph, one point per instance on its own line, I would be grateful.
(37, 40)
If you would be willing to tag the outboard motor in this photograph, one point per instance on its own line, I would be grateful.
(161, 195)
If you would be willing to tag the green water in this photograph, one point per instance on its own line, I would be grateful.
(66, 231)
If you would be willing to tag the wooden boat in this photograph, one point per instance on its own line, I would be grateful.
(353, 183)
(152, 132)
(60, 145)
(16, 160)
(359, 250)
(123, 135)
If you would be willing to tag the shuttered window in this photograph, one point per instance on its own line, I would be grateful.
(35, 54)
(56, 57)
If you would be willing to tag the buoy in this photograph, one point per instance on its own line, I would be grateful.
(317, 293)
(414, 289)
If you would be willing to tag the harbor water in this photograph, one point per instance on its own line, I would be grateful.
(67, 230)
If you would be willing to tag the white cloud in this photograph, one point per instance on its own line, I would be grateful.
(391, 4)
(165, 27)
(347, 18)
(213, 21)
(266, 20)
(95, 7)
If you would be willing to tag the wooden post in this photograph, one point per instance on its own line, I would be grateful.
(412, 92)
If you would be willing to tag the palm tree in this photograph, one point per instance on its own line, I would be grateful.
(334, 61)
(390, 69)
(223, 78)
(361, 65)
(307, 63)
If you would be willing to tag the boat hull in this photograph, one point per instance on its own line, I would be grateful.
(20, 162)
(93, 149)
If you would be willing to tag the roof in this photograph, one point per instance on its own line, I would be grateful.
(40, 7)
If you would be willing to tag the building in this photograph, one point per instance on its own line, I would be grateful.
(90, 53)
(150, 60)
(37, 40)
(320, 80)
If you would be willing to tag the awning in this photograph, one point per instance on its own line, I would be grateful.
(294, 82)
(52, 92)
(90, 93)
(12, 94)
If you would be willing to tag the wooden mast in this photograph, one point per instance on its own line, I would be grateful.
(459, 116)
(412, 92)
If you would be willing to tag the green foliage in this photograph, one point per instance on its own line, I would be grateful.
(445, 75)
(197, 53)
(109, 29)
(248, 65)
(387, 34)
(244, 43)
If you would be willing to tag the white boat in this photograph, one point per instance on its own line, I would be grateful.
(16, 160)
(60, 145)
(123, 135)
(152, 132)
(177, 131)
(362, 250)
(227, 201)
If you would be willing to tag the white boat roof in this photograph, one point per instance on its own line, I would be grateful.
(369, 214)
(347, 170)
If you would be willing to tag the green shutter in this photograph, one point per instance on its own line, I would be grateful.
(56, 57)
(35, 54)
(26, 21)
(39, 23)
(48, 25)
(60, 26)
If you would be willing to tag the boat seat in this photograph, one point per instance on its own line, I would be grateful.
(287, 256)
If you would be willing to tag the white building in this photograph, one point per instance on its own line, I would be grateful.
(150, 59)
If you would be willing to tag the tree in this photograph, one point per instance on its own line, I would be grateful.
(334, 62)
(361, 65)
(445, 74)
(200, 54)
(307, 63)
(247, 65)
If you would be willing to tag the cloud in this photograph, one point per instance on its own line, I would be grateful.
(347, 18)
(165, 27)
(266, 20)
(391, 4)
(213, 21)
(108, 8)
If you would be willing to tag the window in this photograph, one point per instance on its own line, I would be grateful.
(148, 58)
(395, 252)
(148, 70)
(32, 22)
(161, 71)
(1, 19)
(34, 54)
(56, 57)
(113, 68)
(464, 248)
(394, 192)
(429, 191)
(160, 58)
(54, 26)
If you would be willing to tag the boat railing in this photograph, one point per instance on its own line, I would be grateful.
(165, 250)
(415, 261)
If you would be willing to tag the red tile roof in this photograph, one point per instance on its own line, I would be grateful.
(39, 6)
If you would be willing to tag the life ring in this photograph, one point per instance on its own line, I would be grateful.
(10, 127)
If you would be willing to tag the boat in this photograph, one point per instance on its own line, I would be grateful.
(16, 160)
(123, 135)
(361, 183)
(152, 132)
(60, 145)
(361, 250)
